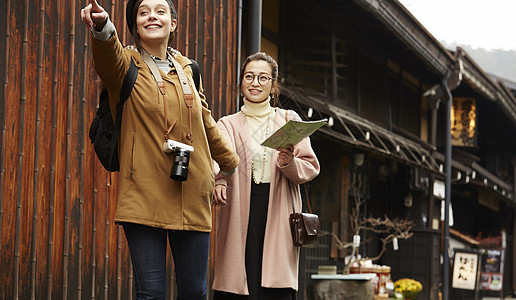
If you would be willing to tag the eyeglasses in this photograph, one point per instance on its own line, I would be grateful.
(262, 79)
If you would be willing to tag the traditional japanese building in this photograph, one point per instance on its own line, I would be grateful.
(377, 74)
(368, 66)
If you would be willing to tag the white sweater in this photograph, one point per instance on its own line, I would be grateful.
(259, 118)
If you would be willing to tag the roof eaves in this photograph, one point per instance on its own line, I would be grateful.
(507, 101)
(399, 20)
(485, 85)
(362, 133)
(477, 77)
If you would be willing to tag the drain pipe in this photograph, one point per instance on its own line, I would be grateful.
(447, 197)
(255, 26)
(239, 51)
(513, 162)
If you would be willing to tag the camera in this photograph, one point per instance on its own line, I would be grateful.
(181, 152)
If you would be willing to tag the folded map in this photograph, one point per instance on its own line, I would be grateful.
(292, 133)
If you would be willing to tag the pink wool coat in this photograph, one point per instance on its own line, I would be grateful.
(280, 257)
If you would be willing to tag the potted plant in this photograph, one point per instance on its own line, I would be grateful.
(409, 288)
(389, 230)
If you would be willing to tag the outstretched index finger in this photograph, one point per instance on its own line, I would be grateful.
(95, 7)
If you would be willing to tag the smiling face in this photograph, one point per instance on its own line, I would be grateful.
(254, 91)
(154, 21)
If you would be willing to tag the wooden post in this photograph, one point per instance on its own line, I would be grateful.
(334, 251)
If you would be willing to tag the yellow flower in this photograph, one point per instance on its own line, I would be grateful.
(408, 287)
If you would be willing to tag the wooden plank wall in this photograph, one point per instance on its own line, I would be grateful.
(57, 236)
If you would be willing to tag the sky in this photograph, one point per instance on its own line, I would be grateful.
(488, 24)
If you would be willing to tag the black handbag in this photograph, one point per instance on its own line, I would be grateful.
(303, 226)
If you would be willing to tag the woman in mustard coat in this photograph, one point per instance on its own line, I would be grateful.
(151, 206)
(255, 258)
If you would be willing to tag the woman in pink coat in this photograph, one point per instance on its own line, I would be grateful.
(255, 257)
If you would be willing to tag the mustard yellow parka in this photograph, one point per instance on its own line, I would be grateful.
(146, 194)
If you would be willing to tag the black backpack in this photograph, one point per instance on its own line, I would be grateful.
(104, 132)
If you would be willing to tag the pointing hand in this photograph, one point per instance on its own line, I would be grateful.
(93, 15)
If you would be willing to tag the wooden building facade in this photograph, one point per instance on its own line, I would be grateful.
(367, 64)
(57, 236)
(377, 73)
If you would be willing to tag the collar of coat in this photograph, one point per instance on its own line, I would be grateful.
(183, 61)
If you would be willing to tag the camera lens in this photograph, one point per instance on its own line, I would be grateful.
(179, 170)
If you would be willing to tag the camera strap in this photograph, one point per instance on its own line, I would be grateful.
(161, 86)
(187, 91)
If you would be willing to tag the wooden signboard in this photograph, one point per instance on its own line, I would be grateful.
(465, 270)
(464, 122)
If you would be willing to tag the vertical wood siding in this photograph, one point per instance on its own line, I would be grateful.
(57, 203)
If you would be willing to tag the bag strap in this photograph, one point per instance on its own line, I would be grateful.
(128, 83)
(290, 189)
(125, 91)
(196, 74)
(292, 199)
(307, 199)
